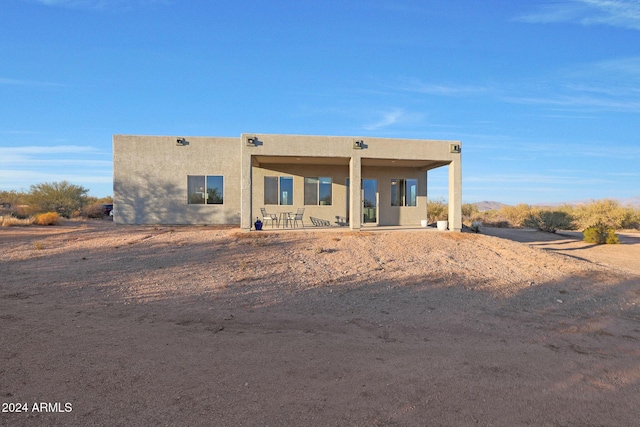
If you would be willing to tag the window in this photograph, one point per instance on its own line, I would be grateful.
(317, 191)
(270, 190)
(215, 185)
(286, 190)
(404, 192)
(411, 192)
(278, 191)
(195, 188)
(196, 194)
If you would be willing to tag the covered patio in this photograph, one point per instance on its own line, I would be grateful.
(281, 174)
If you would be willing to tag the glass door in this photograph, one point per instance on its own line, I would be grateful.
(369, 201)
(369, 191)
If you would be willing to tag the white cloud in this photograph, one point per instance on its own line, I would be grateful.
(567, 181)
(415, 85)
(47, 150)
(17, 82)
(20, 167)
(612, 85)
(616, 13)
(393, 117)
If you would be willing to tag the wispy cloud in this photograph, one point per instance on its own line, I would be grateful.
(79, 164)
(417, 86)
(46, 150)
(616, 13)
(12, 179)
(17, 82)
(393, 117)
(612, 85)
(537, 179)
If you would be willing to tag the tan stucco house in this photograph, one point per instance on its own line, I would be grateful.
(217, 180)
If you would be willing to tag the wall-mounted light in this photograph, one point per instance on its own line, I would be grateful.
(252, 141)
(454, 148)
(181, 142)
(358, 144)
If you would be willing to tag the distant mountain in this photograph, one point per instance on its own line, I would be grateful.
(633, 202)
(488, 206)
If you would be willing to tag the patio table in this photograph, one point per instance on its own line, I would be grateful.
(284, 216)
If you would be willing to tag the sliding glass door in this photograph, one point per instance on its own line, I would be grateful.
(369, 195)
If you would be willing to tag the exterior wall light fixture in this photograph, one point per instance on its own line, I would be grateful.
(358, 144)
(181, 142)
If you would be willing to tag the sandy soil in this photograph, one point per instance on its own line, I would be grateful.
(116, 325)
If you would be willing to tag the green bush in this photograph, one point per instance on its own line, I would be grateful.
(437, 210)
(600, 234)
(95, 210)
(517, 215)
(550, 221)
(469, 211)
(606, 211)
(61, 197)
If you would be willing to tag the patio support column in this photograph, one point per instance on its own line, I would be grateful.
(455, 194)
(246, 219)
(355, 193)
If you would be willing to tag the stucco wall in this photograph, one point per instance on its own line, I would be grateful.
(150, 179)
(150, 176)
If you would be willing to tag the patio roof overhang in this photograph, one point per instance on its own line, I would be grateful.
(422, 164)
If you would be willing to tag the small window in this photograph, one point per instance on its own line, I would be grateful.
(215, 190)
(324, 190)
(411, 192)
(196, 185)
(317, 191)
(278, 190)
(404, 192)
(396, 192)
(195, 189)
(270, 190)
(286, 190)
(311, 191)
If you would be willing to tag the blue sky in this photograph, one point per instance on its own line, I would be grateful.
(544, 95)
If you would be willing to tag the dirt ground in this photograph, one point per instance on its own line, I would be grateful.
(134, 326)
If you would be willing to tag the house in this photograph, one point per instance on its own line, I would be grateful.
(217, 180)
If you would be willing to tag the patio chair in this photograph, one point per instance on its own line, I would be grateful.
(297, 217)
(319, 222)
(268, 217)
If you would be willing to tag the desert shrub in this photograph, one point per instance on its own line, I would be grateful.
(20, 215)
(10, 221)
(61, 197)
(469, 212)
(606, 211)
(550, 221)
(631, 219)
(600, 234)
(49, 218)
(95, 210)
(437, 210)
(516, 215)
(11, 198)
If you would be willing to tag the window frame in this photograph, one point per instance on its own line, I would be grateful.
(315, 189)
(201, 182)
(401, 197)
(279, 189)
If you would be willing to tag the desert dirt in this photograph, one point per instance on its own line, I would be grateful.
(141, 325)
